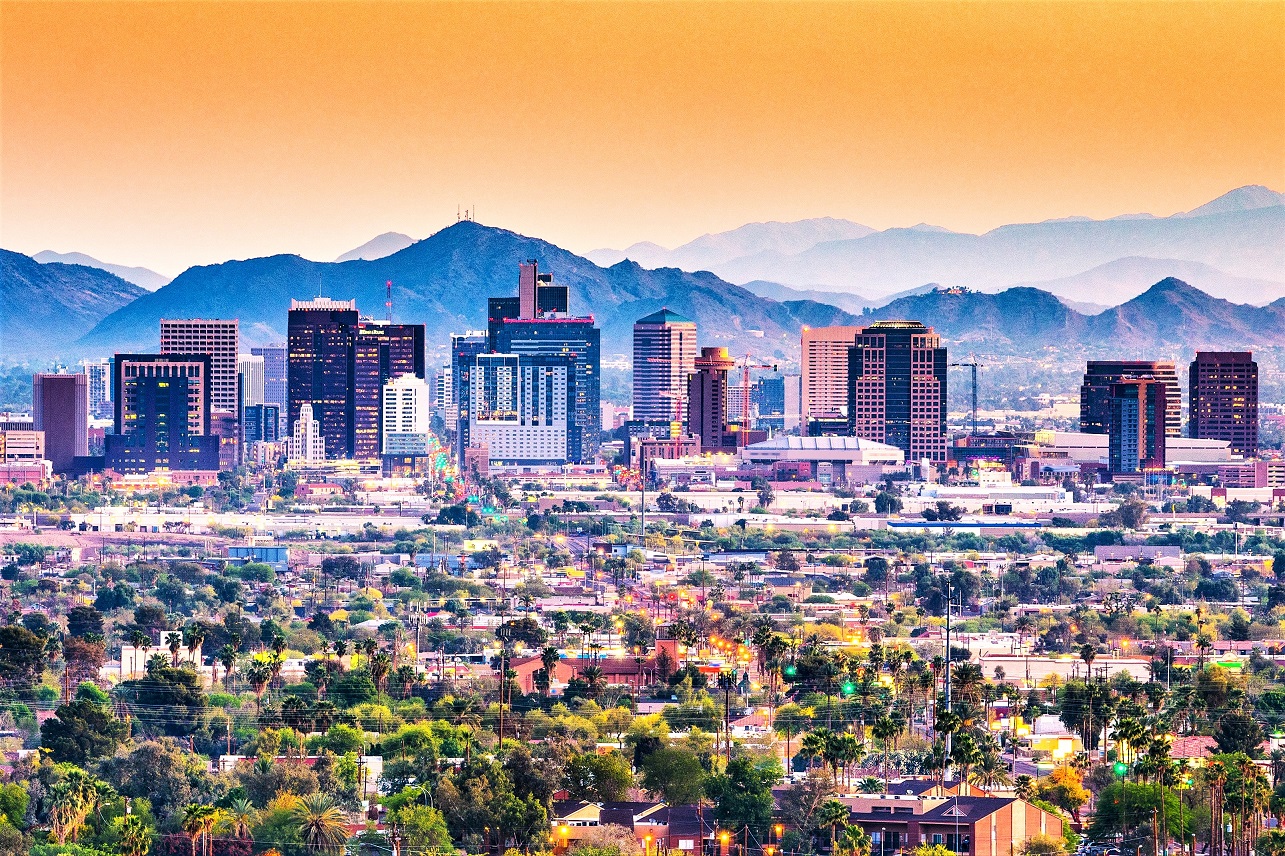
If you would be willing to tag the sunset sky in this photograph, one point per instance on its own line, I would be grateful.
(168, 135)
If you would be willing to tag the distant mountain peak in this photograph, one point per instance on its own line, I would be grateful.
(140, 276)
(378, 247)
(1251, 197)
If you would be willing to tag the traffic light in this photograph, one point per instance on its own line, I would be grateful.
(1120, 768)
(790, 671)
(848, 688)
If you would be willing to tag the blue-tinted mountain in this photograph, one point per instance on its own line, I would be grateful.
(44, 307)
(1170, 319)
(378, 247)
(444, 281)
(140, 276)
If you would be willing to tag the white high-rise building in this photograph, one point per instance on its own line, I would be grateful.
(444, 397)
(307, 445)
(220, 340)
(98, 374)
(250, 368)
(406, 414)
(518, 408)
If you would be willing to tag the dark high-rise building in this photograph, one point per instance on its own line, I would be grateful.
(897, 388)
(465, 347)
(1101, 375)
(664, 355)
(1223, 397)
(707, 401)
(321, 366)
(164, 415)
(381, 351)
(60, 408)
(262, 423)
(1136, 428)
(768, 397)
(543, 328)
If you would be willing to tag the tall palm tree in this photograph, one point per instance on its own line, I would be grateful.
(322, 825)
(549, 659)
(174, 640)
(405, 676)
(193, 822)
(135, 836)
(831, 814)
(259, 674)
(595, 680)
(380, 665)
(227, 657)
(240, 815)
(193, 637)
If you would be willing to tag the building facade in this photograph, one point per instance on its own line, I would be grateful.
(320, 365)
(163, 414)
(407, 412)
(664, 356)
(519, 406)
(250, 367)
(707, 391)
(261, 423)
(1095, 392)
(1137, 426)
(276, 384)
(60, 408)
(381, 351)
(464, 348)
(98, 374)
(897, 388)
(1223, 399)
(306, 444)
(823, 393)
(220, 340)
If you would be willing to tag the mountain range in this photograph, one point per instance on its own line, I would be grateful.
(47, 306)
(1232, 246)
(444, 281)
(144, 278)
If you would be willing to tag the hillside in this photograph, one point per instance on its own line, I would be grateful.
(444, 281)
(140, 276)
(46, 306)
(1169, 320)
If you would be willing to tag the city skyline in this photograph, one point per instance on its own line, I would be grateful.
(207, 142)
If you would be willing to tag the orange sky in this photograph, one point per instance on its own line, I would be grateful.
(175, 134)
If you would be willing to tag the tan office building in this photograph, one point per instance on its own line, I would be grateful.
(824, 383)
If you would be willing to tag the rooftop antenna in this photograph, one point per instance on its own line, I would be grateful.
(321, 280)
(388, 300)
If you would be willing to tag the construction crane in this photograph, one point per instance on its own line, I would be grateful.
(974, 365)
(746, 365)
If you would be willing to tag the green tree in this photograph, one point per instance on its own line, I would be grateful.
(742, 794)
(423, 829)
(677, 777)
(1238, 731)
(322, 825)
(81, 731)
(598, 778)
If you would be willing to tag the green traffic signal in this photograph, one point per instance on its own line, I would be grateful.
(1120, 768)
(790, 671)
(849, 688)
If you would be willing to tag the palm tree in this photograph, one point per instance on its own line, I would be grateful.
(174, 640)
(853, 841)
(227, 657)
(194, 637)
(322, 825)
(816, 745)
(240, 815)
(135, 836)
(72, 800)
(405, 675)
(549, 659)
(259, 674)
(885, 730)
(193, 822)
(871, 785)
(156, 662)
(991, 772)
(831, 814)
(595, 681)
(964, 752)
(380, 664)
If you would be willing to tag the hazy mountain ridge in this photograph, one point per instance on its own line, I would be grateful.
(378, 247)
(47, 306)
(140, 276)
(444, 281)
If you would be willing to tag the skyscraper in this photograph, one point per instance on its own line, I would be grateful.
(824, 371)
(664, 355)
(381, 351)
(543, 327)
(163, 414)
(60, 408)
(1101, 375)
(221, 341)
(1223, 396)
(276, 385)
(306, 445)
(464, 348)
(320, 367)
(98, 374)
(261, 423)
(518, 406)
(250, 368)
(707, 400)
(407, 407)
(1136, 428)
(897, 388)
